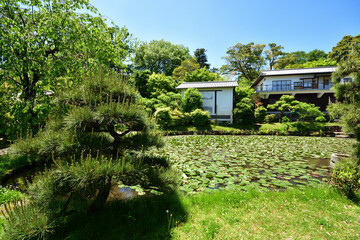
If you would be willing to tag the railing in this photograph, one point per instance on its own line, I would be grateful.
(296, 86)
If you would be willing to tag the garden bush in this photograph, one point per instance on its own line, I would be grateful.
(346, 177)
(320, 119)
(179, 118)
(200, 117)
(260, 114)
(270, 118)
(285, 119)
(244, 112)
(163, 117)
(192, 100)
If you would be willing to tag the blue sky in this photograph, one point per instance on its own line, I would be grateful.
(218, 24)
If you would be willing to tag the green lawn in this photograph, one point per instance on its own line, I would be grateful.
(241, 162)
(319, 213)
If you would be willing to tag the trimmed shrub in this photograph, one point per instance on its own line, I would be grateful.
(163, 117)
(260, 114)
(179, 118)
(285, 119)
(192, 100)
(244, 111)
(200, 117)
(270, 118)
(320, 119)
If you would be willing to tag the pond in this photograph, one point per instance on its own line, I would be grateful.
(238, 162)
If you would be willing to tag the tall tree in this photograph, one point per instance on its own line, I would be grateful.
(343, 48)
(348, 95)
(202, 75)
(245, 61)
(273, 54)
(187, 66)
(160, 56)
(45, 45)
(201, 58)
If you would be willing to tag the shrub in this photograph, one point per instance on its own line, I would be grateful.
(8, 195)
(192, 100)
(179, 118)
(285, 119)
(200, 117)
(244, 111)
(260, 114)
(163, 117)
(270, 118)
(320, 119)
(346, 178)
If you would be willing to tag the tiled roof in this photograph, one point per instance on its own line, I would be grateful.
(221, 84)
(298, 71)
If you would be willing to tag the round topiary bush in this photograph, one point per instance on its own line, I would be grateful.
(163, 117)
(200, 117)
(192, 100)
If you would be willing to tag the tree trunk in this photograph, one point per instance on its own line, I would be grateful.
(102, 195)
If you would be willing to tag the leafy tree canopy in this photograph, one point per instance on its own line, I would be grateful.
(273, 54)
(187, 66)
(202, 75)
(48, 45)
(158, 83)
(343, 48)
(348, 95)
(245, 61)
(160, 56)
(299, 58)
(201, 58)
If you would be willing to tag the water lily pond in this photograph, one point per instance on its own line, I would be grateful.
(217, 162)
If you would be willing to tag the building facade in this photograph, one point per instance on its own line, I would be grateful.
(217, 97)
(310, 85)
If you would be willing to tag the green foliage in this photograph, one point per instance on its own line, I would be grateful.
(7, 195)
(163, 117)
(320, 119)
(273, 54)
(243, 92)
(158, 83)
(244, 112)
(160, 56)
(343, 48)
(179, 118)
(192, 100)
(200, 117)
(58, 46)
(88, 117)
(202, 75)
(270, 118)
(285, 119)
(27, 221)
(260, 114)
(187, 66)
(304, 111)
(245, 61)
(201, 58)
(140, 79)
(169, 99)
(346, 178)
(348, 95)
(301, 59)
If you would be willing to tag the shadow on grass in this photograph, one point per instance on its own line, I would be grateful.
(148, 217)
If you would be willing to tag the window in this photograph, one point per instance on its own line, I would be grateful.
(281, 85)
(347, 80)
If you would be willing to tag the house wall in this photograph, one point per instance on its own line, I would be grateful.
(224, 101)
(267, 82)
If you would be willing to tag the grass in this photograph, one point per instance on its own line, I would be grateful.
(238, 162)
(311, 213)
